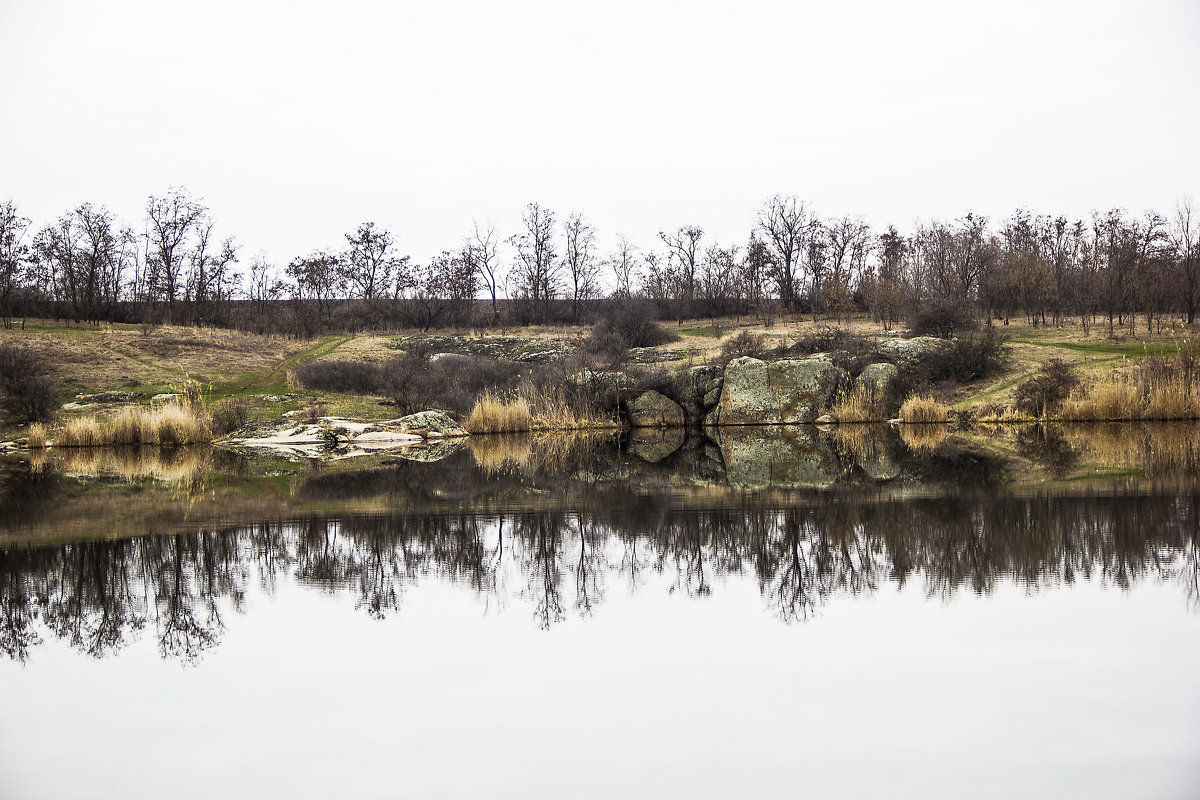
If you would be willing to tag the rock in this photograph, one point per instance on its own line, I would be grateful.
(165, 397)
(825, 419)
(697, 390)
(430, 451)
(73, 406)
(654, 410)
(654, 355)
(875, 380)
(278, 398)
(756, 392)
(428, 424)
(911, 352)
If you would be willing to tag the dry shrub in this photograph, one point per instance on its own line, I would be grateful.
(744, 343)
(857, 407)
(999, 412)
(1045, 392)
(176, 425)
(132, 426)
(924, 409)
(36, 438)
(493, 414)
(229, 415)
(26, 391)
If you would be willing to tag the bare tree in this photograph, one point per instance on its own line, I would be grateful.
(481, 253)
(317, 277)
(368, 265)
(442, 289)
(580, 260)
(624, 263)
(171, 220)
(536, 270)
(1185, 241)
(683, 250)
(14, 258)
(787, 225)
(211, 280)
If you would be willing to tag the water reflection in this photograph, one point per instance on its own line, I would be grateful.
(97, 596)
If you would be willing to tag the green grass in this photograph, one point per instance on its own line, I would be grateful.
(707, 332)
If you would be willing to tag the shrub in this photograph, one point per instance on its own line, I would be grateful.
(942, 318)
(346, 377)
(744, 343)
(626, 323)
(828, 338)
(26, 391)
(229, 415)
(1046, 392)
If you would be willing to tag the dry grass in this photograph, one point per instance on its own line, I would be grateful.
(857, 407)
(1116, 398)
(170, 425)
(492, 414)
(36, 438)
(921, 409)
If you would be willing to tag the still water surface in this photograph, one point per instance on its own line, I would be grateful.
(776, 614)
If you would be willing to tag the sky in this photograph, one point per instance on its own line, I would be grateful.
(296, 121)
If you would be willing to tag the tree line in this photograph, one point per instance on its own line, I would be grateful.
(1113, 268)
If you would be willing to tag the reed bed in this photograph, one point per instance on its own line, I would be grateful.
(923, 437)
(185, 468)
(1135, 396)
(857, 407)
(533, 408)
(170, 425)
(36, 438)
(923, 409)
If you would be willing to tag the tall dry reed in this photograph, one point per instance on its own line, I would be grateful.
(170, 425)
(924, 409)
(35, 439)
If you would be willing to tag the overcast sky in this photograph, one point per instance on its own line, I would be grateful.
(295, 121)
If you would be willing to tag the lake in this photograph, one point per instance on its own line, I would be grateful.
(856, 612)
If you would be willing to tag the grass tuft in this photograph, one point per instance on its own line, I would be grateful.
(922, 409)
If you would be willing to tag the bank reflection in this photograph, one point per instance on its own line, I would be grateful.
(98, 596)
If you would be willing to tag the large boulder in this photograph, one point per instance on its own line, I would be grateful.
(875, 380)
(428, 425)
(653, 445)
(653, 410)
(758, 458)
(756, 392)
(911, 352)
(697, 390)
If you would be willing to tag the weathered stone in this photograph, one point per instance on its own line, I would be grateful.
(653, 445)
(910, 352)
(654, 410)
(875, 380)
(697, 390)
(428, 424)
(780, 392)
(597, 381)
(826, 419)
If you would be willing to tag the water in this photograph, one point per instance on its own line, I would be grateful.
(846, 615)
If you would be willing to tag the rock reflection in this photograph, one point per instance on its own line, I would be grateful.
(100, 596)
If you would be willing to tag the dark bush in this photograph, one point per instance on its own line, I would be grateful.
(1046, 391)
(229, 415)
(744, 343)
(625, 323)
(942, 318)
(972, 357)
(828, 338)
(346, 377)
(26, 390)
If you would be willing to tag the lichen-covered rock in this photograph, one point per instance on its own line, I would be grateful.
(696, 390)
(756, 392)
(910, 352)
(653, 410)
(598, 381)
(875, 380)
(428, 424)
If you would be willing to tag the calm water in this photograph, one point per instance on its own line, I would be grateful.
(849, 614)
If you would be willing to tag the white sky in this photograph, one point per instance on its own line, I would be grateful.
(296, 121)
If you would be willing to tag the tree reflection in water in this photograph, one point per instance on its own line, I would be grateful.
(99, 596)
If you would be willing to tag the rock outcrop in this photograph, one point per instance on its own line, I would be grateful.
(653, 410)
(910, 352)
(697, 390)
(875, 380)
(756, 392)
(428, 425)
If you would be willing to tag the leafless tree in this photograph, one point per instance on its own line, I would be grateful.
(316, 277)
(481, 251)
(1185, 241)
(683, 251)
(14, 258)
(536, 270)
(580, 260)
(368, 264)
(623, 261)
(171, 220)
(786, 225)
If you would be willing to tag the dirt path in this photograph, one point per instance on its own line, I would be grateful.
(279, 372)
